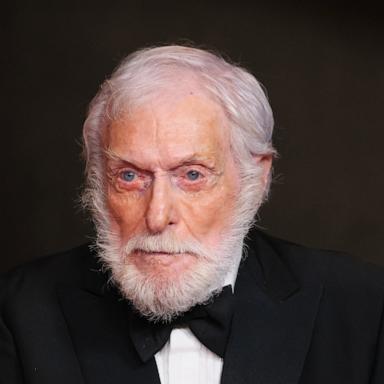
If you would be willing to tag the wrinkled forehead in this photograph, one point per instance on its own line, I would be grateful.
(171, 126)
(173, 91)
(171, 117)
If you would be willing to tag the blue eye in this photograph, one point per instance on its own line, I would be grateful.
(128, 175)
(193, 175)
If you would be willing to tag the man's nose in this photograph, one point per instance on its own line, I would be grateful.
(160, 211)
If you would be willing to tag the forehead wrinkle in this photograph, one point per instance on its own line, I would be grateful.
(211, 150)
(154, 124)
(160, 119)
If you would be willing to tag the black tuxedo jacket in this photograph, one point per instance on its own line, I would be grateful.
(302, 317)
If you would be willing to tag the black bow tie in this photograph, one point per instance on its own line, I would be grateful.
(210, 323)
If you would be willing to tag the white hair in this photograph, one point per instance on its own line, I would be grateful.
(144, 74)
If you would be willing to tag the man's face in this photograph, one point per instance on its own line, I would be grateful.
(171, 172)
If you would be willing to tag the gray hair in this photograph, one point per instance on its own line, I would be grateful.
(145, 71)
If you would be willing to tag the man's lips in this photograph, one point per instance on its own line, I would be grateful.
(155, 253)
(160, 257)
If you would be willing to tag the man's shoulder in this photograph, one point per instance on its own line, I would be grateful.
(40, 277)
(333, 269)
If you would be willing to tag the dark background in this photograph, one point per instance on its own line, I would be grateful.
(323, 66)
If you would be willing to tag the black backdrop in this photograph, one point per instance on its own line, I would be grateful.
(323, 66)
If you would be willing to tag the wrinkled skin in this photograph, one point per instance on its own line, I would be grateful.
(170, 168)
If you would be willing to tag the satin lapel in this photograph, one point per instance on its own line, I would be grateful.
(98, 325)
(272, 325)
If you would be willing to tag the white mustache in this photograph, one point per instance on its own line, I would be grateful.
(164, 243)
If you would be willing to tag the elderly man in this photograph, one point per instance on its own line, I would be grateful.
(178, 160)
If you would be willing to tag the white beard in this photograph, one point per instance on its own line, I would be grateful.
(163, 296)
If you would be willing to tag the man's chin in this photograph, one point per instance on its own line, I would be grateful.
(161, 286)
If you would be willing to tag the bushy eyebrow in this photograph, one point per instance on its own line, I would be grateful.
(192, 159)
(110, 155)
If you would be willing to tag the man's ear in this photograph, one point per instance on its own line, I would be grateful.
(265, 163)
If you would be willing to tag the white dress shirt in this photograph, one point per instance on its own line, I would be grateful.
(184, 360)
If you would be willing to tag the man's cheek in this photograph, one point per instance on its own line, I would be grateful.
(206, 215)
(127, 214)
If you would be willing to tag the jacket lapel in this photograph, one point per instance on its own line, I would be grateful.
(273, 321)
(98, 322)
